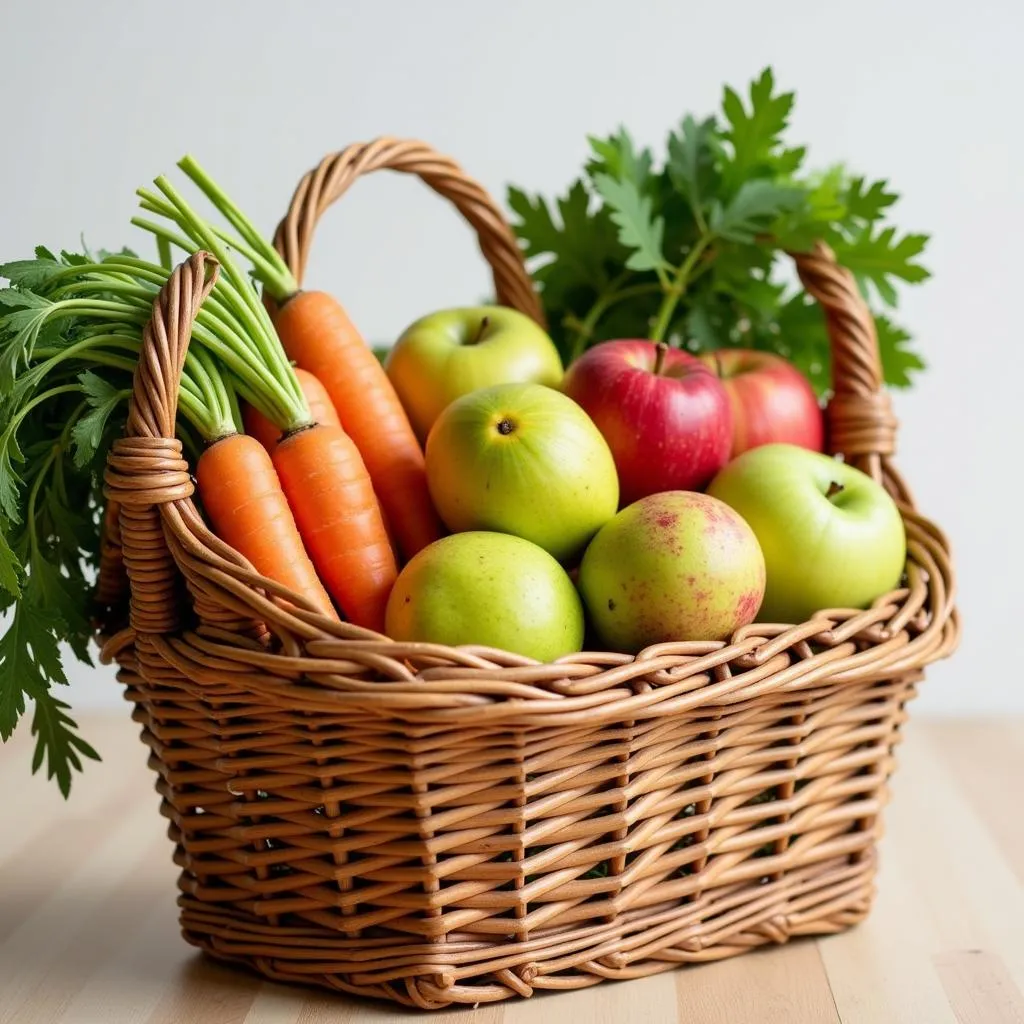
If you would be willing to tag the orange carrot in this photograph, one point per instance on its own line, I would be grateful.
(336, 510)
(320, 406)
(247, 507)
(318, 335)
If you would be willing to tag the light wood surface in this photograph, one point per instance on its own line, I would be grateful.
(88, 923)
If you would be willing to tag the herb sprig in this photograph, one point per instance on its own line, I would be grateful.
(690, 248)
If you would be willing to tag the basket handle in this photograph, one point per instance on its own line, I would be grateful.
(145, 468)
(331, 178)
(859, 417)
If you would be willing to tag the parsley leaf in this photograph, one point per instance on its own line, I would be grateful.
(691, 161)
(868, 203)
(10, 568)
(639, 229)
(49, 588)
(583, 243)
(29, 660)
(898, 362)
(616, 157)
(30, 274)
(754, 135)
(57, 740)
(754, 207)
(87, 433)
(878, 257)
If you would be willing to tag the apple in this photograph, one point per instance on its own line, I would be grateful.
(671, 566)
(832, 537)
(489, 589)
(772, 401)
(448, 354)
(664, 414)
(522, 459)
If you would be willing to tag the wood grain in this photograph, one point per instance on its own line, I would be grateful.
(89, 935)
(980, 988)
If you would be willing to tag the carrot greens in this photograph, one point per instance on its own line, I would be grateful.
(70, 332)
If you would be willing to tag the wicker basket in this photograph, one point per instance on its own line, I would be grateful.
(435, 826)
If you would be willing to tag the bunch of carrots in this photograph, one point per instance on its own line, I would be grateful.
(307, 464)
(348, 463)
(305, 461)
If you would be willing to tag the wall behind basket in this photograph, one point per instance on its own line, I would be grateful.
(101, 97)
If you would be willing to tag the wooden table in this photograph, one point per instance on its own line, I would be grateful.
(88, 929)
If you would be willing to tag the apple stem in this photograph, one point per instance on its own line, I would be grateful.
(659, 358)
(485, 322)
(834, 488)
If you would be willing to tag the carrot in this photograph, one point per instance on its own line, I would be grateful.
(332, 497)
(243, 498)
(321, 408)
(314, 331)
(317, 334)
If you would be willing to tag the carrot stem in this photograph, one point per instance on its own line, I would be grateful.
(275, 273)
(287, 395)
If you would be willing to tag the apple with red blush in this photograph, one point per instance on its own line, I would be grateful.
(771, 400)
(665, 414)
(672, 566)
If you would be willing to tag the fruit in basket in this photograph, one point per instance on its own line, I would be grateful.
(448, 354)
(522, 459)
(664, 414)
(490, 589)
(771, 400)
(672, 566)
(832, 537)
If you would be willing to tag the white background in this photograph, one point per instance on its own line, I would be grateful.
(100, 97)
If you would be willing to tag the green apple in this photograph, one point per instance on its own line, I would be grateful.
(489, 589)
(522, 459)
(832, 537)
(677, 565)
(449, 354)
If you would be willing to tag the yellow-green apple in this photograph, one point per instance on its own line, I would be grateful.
(488, 589)
(522, 459)
(448, 354)
(664, 414)
(772, 401)
(671, 566)
(832, 537)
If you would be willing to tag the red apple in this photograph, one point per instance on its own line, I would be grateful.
(664, 414)
(772, 401)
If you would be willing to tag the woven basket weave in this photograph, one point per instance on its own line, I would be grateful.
(434, 825)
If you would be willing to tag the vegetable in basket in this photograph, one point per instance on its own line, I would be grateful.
(321, 409)
(318, 335)
(304, 514)
(321, 467)
(690, 249)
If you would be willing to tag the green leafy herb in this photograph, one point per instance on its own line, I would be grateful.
(753, 209)
(71, 327)
(639, 230)
(900, 360)
(755, 135)
(693, 248)
(69, 375)
(880, 256)
(692, 166)
(103, 399)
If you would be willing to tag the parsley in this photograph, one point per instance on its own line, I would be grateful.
(692, 248)
(66, 384)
